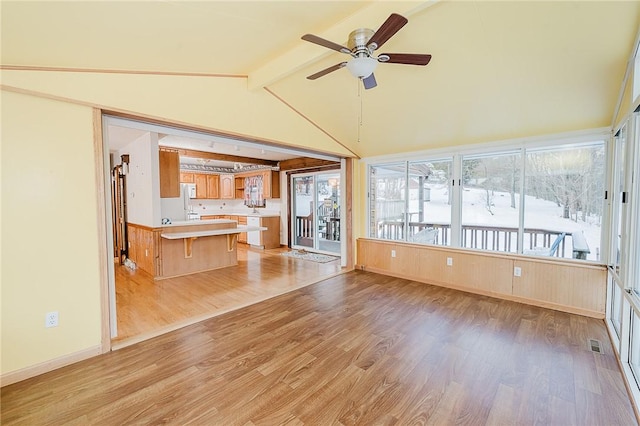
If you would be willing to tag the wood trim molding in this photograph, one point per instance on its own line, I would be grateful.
(511, 256)
(313, 123)
(103, 252)
(303, 163)
(348, 172)
(50, 365)
(116, 71)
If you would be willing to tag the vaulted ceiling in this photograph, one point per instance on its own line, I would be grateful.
(499, 70)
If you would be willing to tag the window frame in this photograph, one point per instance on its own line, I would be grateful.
(568, 141)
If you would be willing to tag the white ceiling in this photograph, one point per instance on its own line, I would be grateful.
(499, 70)
(119, 137)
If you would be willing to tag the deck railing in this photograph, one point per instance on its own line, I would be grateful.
(473, 236)
(491, 237)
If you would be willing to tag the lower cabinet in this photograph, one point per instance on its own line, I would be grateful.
(143, 247)
(242, 237)
(268, 239)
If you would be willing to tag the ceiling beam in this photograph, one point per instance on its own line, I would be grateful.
(223, 157)
(303, 54)
(305, 163)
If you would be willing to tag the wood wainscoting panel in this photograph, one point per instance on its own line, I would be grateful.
(566, 285)
(142, 247)
(560, 284)
(375, 256)
(488, 274)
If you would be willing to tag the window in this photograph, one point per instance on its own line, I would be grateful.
(615, 309)
(491, 201)
(619, 184)
(476, 200)
(387, 199)
(430, 202)
(564, 195)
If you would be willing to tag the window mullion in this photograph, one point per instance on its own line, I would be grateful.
(523, 159)
(456, 210)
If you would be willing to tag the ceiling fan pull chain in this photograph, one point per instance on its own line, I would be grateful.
(360, 115)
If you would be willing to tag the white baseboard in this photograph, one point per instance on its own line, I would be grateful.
(50, 365)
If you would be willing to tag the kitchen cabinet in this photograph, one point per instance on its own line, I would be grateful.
(268, 239)
(169, 162)
(142, 247)
(213, 186)
(242, 237)
(271, 182)
(187, 177)
(227, 187)
(201, 185)
(207, 186)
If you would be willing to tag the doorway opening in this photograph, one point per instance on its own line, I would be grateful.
(142, 303)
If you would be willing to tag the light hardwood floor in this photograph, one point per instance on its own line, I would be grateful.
(359, 348)
(148, 308)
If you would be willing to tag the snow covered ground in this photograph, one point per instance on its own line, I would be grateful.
(540, 214)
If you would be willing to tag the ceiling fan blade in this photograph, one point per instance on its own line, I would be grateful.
(326, 71)
(369, 82)
(325, 43)
(391, 26)
(407, 58)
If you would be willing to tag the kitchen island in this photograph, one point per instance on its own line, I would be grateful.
(197, 246)
(268, 239)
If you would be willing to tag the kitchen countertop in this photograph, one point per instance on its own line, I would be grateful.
(197, 222)
(248, 214)
(212, 232)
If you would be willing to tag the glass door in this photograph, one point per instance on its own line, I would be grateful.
(302, 207)
(316, 212)
(328, 223)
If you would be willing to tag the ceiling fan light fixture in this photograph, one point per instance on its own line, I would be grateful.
(362, 67)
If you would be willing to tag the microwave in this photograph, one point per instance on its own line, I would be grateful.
(190, 190)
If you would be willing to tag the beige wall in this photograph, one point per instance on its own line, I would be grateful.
(49, 231)
(213, 103)
(50, 259)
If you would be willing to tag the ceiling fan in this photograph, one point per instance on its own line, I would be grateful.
(361, 45)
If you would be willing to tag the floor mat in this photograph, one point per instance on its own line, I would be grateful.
(306, 255)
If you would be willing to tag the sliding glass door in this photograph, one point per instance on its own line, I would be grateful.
(315, 209)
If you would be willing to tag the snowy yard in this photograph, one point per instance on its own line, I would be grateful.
(539, 214)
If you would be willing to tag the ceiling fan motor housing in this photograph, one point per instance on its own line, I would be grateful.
(358, 41)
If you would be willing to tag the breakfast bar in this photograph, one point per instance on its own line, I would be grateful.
(198, 246)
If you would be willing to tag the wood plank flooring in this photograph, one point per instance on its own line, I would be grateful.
(147, 307)
(359, 348)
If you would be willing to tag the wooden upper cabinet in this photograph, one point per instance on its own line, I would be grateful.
(207, 186)
(213, 186)
(169, 174)
(187, 177)
(271, 181)
(201, 185)
(227, 186)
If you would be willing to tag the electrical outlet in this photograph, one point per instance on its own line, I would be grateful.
(517, 271)
(449, 261)
(393, 253)
(51, 319)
